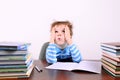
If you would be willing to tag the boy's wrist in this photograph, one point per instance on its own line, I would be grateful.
(71, 45)
(70, 42)
(52, 41)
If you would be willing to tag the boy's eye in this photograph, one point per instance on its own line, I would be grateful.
(63, 31)
(56, 31)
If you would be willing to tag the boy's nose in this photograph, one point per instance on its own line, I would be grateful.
(59, 34)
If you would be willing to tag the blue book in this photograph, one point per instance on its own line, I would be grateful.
(14, 46)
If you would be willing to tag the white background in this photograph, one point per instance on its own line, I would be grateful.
(94, 21)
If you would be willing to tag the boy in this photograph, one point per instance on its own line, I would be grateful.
(61, 47)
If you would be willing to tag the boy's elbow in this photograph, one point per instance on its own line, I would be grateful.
(78, 60)
(51, 61)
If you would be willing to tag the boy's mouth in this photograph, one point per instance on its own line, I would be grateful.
(59, 39)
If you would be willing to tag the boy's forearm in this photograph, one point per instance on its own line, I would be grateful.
(75, 53)
(49, 59)
(70, 42)
(52, 41)
(51, 54)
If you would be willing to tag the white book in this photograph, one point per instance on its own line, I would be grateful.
(109, 49)
(89, 66)
(111, 54)
(113, 45)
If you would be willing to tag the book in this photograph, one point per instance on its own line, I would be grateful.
(13, 66)
(14, 57)
(111, 54)
(116, 68)
(112, 61)
(113, 45)
(111, 57)
(8, 58)
(13, 53)
(17, 70)
(16, 64)
(13, 70)
(27, 62)
(13, 46)
(111, 69)
(89, 66)
(111, 73)
(17, 75)
(110, 50)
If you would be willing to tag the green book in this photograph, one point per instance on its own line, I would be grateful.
(13, 70)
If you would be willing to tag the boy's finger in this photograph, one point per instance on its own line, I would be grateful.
(66, 29)
(53, 30)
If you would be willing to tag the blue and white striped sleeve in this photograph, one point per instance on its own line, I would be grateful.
(75, 53)
(51, 54)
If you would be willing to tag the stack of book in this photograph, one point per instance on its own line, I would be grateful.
(111, 58)
(15, 60)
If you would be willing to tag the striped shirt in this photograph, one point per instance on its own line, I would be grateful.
(54, 53)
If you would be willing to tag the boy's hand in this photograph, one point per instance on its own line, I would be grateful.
(52, 35)
(68, 37)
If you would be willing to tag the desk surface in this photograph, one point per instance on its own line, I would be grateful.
(48, 74)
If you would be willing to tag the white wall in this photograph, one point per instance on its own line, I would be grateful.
(94, 21)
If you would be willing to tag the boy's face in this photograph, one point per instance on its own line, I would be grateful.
(60, 34)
